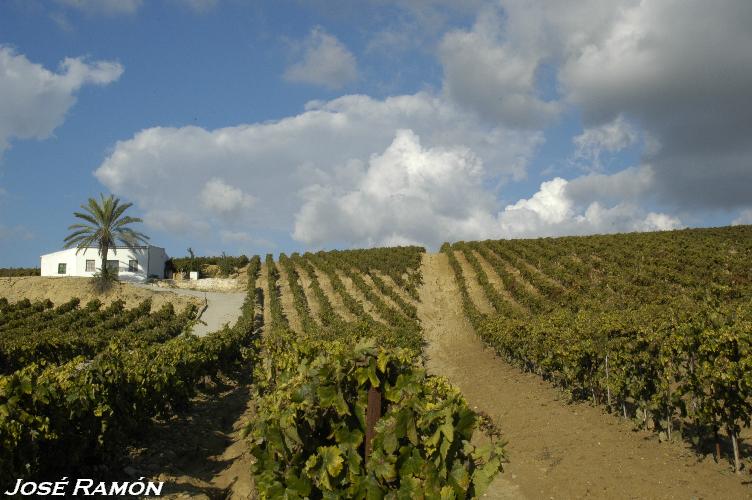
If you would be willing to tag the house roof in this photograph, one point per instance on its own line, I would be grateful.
(117, 247)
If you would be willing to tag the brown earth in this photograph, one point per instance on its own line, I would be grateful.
(60, 290)
(333, 296)
(390, 282)
(556, 449)
(286, 300)
(358, 295)
(262, 287)
(200, 453)
(388, 300)
(477, 295)
(496, 281)
(517, 275)
(313, 304)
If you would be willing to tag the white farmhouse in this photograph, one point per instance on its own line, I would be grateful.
(136, 264)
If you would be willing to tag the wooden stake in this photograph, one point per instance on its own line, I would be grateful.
(717, 447)
(608, 387)
(373, 414)
(735, 445)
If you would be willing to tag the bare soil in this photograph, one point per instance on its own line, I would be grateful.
(286, 299)
(477, 295)
(60, 290)
(313, 304)
(358, 295)
(201, 452)
(390, 282)
(496, 281)
(556, 449)
(333, 296)
(388, 300)
(262, 288)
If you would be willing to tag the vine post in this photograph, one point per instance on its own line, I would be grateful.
(373, 414)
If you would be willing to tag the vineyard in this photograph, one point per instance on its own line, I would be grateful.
(320, 374)
(79, 382)
(654, 326)
(91, 378)
(341, 353)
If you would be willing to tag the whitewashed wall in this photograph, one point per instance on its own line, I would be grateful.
(151, 261)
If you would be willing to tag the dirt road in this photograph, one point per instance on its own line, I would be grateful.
(556, 449)
(223, 307)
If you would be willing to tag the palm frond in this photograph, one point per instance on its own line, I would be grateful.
(107, 225)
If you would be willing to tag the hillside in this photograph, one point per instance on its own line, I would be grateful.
(607, 363)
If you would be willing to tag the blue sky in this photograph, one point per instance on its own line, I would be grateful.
(281, 126)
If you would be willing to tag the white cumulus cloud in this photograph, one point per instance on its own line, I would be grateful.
(34, 100)
(282, 164)
(407, 194)
(325, 61)
(223, 199)
(552, 212)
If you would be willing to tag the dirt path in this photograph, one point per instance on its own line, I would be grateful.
(496, 281)
(358, 295)
(262, 284)
(200, 453)
(477, 295)
(223, 307)
(390, 282)
(334, 298)
(286, 300)
(313, 304)
(388, 300)
(557, 450)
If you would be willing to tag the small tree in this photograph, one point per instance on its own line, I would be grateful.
(105, 227)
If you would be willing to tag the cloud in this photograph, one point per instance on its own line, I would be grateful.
(551, 212)
(223, 199)
(34, 100)
(610, 137)
(745, 217)
(634, 184)
(491, 76)
(281, 164)
(408, 194)
(244, 238)
(325, 61)
(104, 7)
(176, 222)
(683, 71)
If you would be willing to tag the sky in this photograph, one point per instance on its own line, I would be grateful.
(290, 125)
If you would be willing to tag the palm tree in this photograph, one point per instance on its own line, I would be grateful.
(106, 228)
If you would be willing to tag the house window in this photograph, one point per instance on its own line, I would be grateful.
(132, 266)
(61, 268)
(90, 266)
(113, 266)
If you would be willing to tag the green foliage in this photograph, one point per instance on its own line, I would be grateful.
(105, 226)
(308, 432)
(227, 263)
(654, 325)
(40, 334)
(52, 415)
(12, 272)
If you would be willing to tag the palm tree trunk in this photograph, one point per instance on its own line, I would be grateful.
(105, 250)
